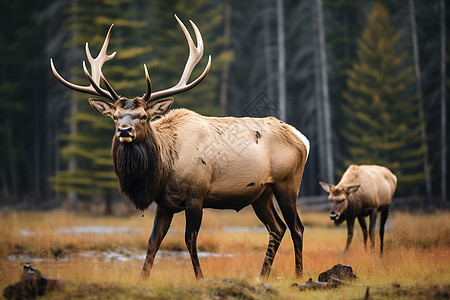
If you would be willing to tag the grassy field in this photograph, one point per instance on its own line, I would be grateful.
(416, 262)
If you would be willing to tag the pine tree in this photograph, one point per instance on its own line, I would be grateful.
(22, 104)
(89, 145)
(383, 125)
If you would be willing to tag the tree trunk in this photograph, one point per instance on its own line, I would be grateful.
(226, 68)
(267, 48)
(73, 197)
(322, 169)
(14, 179)
(108, 203)
(37, 138)
(415, 44)
(325, 94)
(443, 111)
(281, 62)
(73, 165)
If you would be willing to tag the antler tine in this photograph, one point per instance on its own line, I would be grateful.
(83, 89)
(195, 54)
(109, 87)
(96, 66)
(97, 87)
(146, 97)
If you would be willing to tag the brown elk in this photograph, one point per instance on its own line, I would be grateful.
(186, 162)
(362, 191)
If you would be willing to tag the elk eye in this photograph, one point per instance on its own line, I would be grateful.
(114, 117)
(144, 117)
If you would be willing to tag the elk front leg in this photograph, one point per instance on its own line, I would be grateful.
(362, 223)
(161, 225)
(373, 220)
(193, 221)
(350, 228)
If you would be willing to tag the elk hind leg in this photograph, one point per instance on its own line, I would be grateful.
(373, 220)
(383, 218)
(287, 200)
(193, 221)
(267, 214)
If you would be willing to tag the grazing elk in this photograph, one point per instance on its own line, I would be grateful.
(363, 191)
(186, 162)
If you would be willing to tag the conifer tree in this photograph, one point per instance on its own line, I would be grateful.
(22, 104)
(90, 144)
(383, 125)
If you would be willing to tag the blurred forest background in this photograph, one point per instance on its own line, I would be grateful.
(365, 81)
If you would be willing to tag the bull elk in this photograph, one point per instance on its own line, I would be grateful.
(362, 191)
(184, 161)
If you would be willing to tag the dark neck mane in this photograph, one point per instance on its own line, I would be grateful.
(140, 170)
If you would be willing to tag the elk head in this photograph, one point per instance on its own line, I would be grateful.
(132, 116)
(338, 198)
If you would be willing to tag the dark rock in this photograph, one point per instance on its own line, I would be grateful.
(333, 278)
(340, 272)
(32, 284)
(318, 285)
(30, 272)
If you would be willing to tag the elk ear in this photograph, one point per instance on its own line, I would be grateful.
(326, 186)
(102, 107)
(351, 189)
(159, 107)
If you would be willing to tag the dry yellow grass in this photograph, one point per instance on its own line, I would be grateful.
(417, 252)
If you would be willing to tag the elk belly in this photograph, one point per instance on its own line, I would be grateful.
(125, 139)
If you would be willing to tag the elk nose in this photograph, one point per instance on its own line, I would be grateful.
(124, 131)
(333, 215)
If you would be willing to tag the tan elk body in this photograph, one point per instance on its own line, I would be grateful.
(362, 191)
(184, 161)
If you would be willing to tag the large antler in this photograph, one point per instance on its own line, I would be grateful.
(96, 69)
(195, 54)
